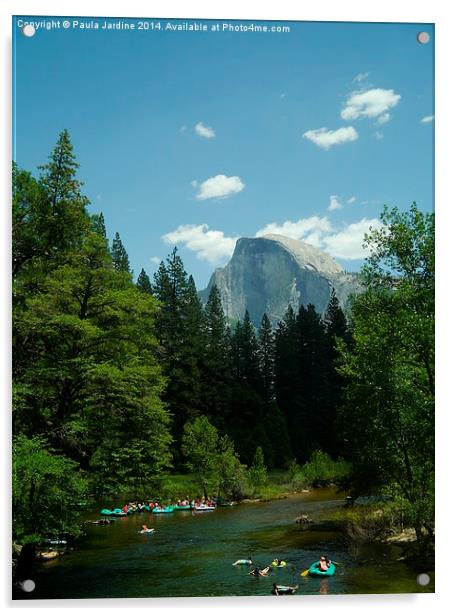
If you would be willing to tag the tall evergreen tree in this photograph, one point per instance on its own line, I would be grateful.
(144, 283)
(120, 257)
(266, 358)
(178, 330)
(288, 380)
(336, 333)
(98, 225)
(245, 354)
(67, 217)
(216, 367)
(312, 377)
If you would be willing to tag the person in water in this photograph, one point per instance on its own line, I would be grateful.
(324, 563)
(243, 561)
(257, 571)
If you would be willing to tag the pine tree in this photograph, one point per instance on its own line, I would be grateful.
(266, 358)
(287, 380)
(120, 258)
(216, 369)
(312, 349)
(67, 216)
(179, 330)
(336, 332)
(144, 283)
(245, 354)
(98, 225)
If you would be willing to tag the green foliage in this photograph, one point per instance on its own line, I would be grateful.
(178, 326)
(212, 458)
(45, 489)
(231, 473)
(199, 446)
(320, 470)
(84, 365)
(388, 416)
(120, 257)
(258, 470)
(215, 362)
(144, 283)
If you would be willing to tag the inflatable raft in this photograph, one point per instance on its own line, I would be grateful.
(117, 512)
(204, 508)
(315, 571)
(163, 510)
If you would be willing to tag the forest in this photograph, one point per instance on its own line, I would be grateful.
(119, 380)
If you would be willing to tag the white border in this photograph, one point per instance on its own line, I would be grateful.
(436, 11)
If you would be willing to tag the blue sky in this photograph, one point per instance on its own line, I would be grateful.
(198, 138)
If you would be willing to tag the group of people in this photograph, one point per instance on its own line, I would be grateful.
(150, 504)
(137, 506)
(323, 565)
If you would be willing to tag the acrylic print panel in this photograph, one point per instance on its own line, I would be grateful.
(223, 308)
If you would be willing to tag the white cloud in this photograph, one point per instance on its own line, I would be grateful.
(348, 243)
(219, 186)
(297, 230)
(155, 260)
(327, 138)
(373, 103)
(208, 244)
(379, 136)
(360, 77)
(384, 118)
(334, 203)
(351, 200)
(204, 131)
(427, 119)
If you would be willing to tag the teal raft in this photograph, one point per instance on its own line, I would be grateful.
(163, 510)
(181, 507)
(315, 571)
(117, 512)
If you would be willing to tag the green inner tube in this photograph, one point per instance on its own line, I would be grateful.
(163, 510)
(317, 572)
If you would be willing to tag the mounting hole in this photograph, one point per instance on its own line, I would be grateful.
(423, 579)
(423, 38)
(28, 586)
(28, 30)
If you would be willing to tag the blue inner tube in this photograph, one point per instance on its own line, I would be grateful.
(315, 571)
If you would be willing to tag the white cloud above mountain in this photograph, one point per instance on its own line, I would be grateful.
(348, 242)
(298, 229)
(427, 119)
(208, 244)
(214, 247)
(204, 131)
(372, 103)
(218, 187)
(324, 138)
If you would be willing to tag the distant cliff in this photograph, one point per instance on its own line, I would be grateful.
(268, 273)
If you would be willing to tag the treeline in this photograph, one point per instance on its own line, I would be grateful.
(275, 389)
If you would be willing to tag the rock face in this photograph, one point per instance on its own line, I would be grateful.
(268, 273)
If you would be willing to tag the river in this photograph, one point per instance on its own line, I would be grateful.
(191, 554)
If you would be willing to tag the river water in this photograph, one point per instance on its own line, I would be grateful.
(191, 554)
